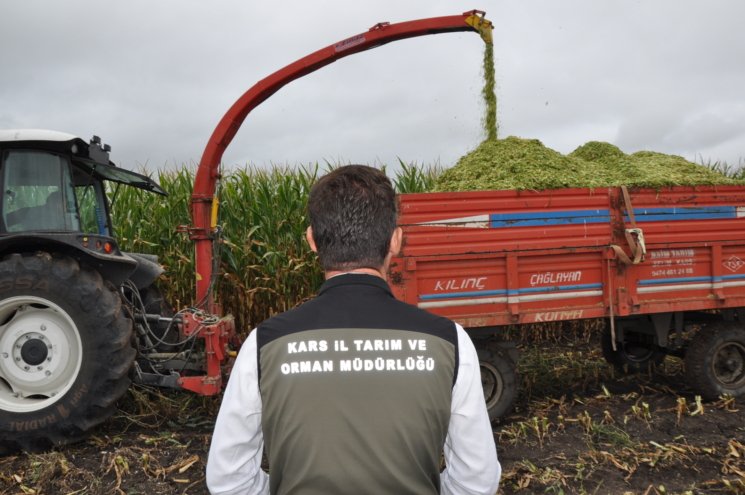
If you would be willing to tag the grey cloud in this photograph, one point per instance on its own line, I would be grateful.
(154, 78)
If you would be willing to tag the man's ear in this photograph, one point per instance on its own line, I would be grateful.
(396, 241)
(309, 238)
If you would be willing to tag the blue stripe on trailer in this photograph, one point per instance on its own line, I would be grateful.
(531, 219)
(450, 295)
(552, 288)
(502, 292)
(688, 213)
(662, 281)
(575, 217)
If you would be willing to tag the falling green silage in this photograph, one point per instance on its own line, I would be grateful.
(489, 93)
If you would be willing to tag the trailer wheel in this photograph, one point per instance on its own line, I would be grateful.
(499, 381)
(715, 361)
(636, 354)
(65, 351)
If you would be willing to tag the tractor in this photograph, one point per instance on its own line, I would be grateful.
(79, 318)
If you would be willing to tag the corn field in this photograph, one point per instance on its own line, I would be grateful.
(265, 264)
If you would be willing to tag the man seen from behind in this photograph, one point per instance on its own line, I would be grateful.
(354, 392)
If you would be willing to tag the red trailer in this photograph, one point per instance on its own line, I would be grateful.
(665, 268)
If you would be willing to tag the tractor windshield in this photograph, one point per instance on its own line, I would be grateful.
(38, 192)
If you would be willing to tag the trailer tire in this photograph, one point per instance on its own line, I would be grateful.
(499, 381)
(65, 351)
(715, 361)
(631, 356)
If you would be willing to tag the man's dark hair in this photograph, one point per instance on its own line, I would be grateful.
(353, 214)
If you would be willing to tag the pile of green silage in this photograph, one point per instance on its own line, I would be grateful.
(515, 163)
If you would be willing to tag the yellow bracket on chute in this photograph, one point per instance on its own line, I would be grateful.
(482, 25)
(213, 215)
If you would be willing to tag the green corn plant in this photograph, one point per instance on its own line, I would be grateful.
(413, 178)
(265, 265)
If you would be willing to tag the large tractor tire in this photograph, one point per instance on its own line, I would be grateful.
(638, 353)
(499, 381)
(65, 351)
(715, 361)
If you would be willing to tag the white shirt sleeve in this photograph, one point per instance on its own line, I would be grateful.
(470, 450)
(234, 462)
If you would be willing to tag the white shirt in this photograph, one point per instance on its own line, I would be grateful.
(234, 463)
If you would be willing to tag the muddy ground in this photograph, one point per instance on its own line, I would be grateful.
(578, 427)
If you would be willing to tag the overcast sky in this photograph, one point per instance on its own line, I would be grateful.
(153, 77)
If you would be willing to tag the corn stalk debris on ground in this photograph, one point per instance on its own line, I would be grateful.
(600, 434)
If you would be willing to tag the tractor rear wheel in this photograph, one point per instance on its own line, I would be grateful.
(65, 351)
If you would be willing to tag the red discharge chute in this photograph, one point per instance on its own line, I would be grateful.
(202, 200)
